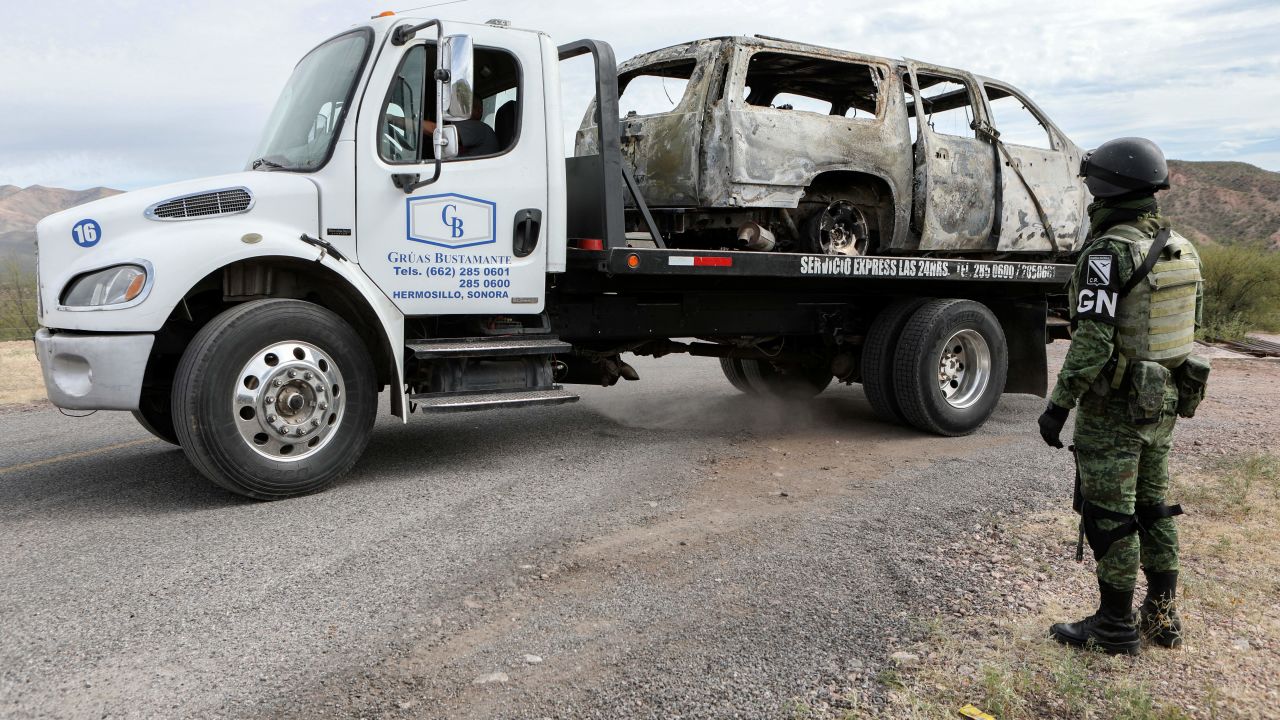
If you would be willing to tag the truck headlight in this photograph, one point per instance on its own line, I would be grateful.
(117, 285)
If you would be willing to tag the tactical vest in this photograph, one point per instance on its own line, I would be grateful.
(1156, 321)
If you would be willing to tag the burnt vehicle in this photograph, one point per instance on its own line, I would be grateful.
(766, 144)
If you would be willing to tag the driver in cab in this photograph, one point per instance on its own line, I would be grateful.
(475, 138)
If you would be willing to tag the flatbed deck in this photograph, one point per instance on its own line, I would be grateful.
(638, 268)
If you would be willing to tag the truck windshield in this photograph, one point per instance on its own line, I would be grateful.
(305, 122)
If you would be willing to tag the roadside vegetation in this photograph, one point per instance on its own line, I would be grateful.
(1003, 662)
(17, 300)
(20, 380)
(1242, 291)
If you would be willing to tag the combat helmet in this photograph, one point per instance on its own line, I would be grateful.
(1124, 166)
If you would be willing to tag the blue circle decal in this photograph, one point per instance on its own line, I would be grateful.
(86, 233)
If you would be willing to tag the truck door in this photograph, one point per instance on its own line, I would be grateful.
(472, 241)
(954, 186)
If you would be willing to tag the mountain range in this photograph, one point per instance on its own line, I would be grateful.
(1223, 202)
(21, 208)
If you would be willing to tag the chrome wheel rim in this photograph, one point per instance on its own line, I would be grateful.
(288, 400)
(964, 368)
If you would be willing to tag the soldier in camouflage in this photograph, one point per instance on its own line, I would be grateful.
(1136, 297)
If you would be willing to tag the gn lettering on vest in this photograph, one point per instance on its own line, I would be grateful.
(1098, 304)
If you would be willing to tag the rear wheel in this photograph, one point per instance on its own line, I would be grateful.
(840, 228)
(786, 381)
(275, 398)
(950, 366)
(877, 357)
(732, 369)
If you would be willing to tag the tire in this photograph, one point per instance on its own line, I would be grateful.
(732, 369)
(790, 382)
(256, 370)
(877, 357)
(959, 341)
(155, 415)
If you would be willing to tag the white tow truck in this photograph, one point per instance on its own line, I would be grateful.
(410, 224)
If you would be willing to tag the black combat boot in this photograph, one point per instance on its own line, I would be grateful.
(1157, 617)
(1111, 629)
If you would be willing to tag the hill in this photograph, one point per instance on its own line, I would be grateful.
(22, 208)
(1226, 202)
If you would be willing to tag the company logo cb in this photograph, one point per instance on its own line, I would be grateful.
(450, 220)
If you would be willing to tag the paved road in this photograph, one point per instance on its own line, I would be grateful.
(665, 548)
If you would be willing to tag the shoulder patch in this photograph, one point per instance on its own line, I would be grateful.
(1098, 287)
(1100, 270)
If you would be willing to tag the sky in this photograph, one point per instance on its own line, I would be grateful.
(129, 94)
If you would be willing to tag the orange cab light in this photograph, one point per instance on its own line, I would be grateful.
(135, 287)
(386, 13)
(633, 261)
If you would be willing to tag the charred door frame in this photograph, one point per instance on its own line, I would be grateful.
(932, 235)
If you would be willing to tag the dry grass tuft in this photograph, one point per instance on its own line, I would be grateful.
(20, 379)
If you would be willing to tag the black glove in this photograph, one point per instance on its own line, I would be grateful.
(1051, 422)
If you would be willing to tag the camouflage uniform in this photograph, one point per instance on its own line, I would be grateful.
(1123, 464)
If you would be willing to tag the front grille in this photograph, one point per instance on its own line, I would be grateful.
(199, 205)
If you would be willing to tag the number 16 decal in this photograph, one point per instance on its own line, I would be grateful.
(86, 233)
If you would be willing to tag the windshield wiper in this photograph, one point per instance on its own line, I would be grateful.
(263, 161)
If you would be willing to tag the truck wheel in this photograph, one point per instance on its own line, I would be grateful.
(792, 381)
(275, 398)
(950, 366)
(732, 369)
(156, 416)
(877, 357)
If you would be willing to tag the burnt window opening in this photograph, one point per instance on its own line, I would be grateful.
(947, 105)
(654, 89)
(908, 99)
(808, 84)
(1016, 122)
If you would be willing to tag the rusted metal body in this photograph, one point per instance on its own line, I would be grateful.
(729, 151)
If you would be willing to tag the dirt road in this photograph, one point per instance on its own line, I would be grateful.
(667, 549)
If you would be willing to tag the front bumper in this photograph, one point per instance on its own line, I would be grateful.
(93, 372)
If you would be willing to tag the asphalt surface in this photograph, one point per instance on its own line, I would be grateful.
(669, 548)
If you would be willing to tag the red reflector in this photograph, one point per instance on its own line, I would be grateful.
(590, 244)
(705, 261)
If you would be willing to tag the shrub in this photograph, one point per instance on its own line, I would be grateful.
(1241, 291)
(17, 300)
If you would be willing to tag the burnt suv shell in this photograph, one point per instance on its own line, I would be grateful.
(794, 137)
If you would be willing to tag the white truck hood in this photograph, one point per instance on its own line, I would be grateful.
(118, 230)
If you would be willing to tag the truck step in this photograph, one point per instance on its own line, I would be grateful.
(502, 346)
(490, 400)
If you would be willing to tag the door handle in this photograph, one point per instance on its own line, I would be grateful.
(528, 224)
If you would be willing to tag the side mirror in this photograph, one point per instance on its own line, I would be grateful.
(446, 140)
(457, 94)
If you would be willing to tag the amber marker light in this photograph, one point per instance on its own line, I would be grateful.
(633, 261)
(135, 287)
(386, 13)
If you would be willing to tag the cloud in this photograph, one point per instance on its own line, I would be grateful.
(133, 93)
